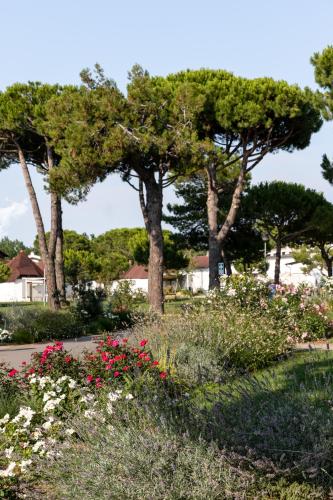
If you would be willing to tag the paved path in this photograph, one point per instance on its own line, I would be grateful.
(13, 355)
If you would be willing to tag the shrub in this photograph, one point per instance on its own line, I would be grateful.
(89, 304)
(35, 324)
(205, 343)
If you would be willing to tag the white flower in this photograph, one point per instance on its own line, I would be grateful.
(36, 434)
(9, 472)
(48, 395)
(51, 404)
(69, 432)
(72, 384)
(109, 408)
(90, 414)
(24, 464)
(9, 452)
(4, 419)
(25, 412)
(129, 397)
(37, 445)
(114, 396)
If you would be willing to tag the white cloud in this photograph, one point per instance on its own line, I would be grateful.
(8, 214)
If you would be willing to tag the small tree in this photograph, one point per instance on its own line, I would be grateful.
(320, 236)
(284, 211)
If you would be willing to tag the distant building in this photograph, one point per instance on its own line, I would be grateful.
(26, 282)
(197, 277)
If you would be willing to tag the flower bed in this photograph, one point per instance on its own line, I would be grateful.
(57, 385)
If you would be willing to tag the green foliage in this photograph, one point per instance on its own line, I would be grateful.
(81, 267)
(34, 324)
(323, 67)
(327, 169)
(89, 304)
(4, 272)
(12, 247)
(174, 257)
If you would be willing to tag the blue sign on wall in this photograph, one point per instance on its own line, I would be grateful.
(221, 268)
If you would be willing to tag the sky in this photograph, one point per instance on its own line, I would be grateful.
(53, 41)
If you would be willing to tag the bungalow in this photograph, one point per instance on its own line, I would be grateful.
(197, 278)
(26, 282)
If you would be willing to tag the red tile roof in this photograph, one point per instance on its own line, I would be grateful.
(136, 272)
(200, 261)
(23, 267)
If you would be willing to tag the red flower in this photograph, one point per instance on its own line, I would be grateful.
(118, 357)
(104, 356)
(90, 378)
(142, 355)
(147, 358)
(126, 368)
(23, 363)
(139, 364)
(31, 370)
(116, 374)
(115, 343)
(12, 372)
(155, 363)
(143, 342)
(125, 340)
(163, 375)
(68, 359)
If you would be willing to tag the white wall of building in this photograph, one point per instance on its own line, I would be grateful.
(290, 271)
(198, 279)
(19, 290)
(137, 284)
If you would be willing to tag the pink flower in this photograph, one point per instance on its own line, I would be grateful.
(163, 375)
(90, 378)
(115, 343)
(125, 368)
(143, 342)
(125, 340)
(68, 359)
(116, 374)
(12, 372)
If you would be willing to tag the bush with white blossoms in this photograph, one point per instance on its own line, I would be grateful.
(5, 335)
(33, 432)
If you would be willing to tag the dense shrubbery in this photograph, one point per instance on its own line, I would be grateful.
(34, 324)
(207, 342)
(298, 309)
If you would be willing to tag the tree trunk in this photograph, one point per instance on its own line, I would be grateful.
(328, 261)
(53, 299)
(56, 236)
(152, 213)
(277, 263)
(234, 207)
(227, 264)
(59, 256)
(213, 244)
